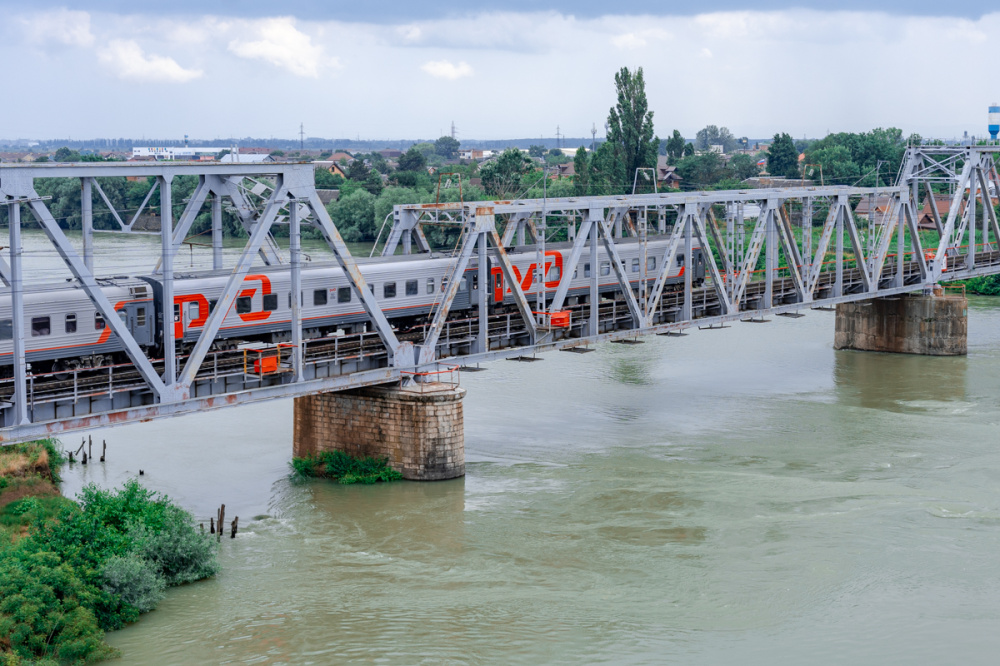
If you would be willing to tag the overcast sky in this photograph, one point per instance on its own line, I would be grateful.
(386, 70)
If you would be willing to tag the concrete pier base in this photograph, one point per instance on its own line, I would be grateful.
(420, 429)
(934, 325)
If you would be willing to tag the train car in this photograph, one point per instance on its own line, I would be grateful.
(64, 331)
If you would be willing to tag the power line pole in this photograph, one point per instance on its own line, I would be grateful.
(302, 136)
(593, 137)
(453, 129)
(558, 137)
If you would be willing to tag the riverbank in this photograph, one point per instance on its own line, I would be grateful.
(72, 570)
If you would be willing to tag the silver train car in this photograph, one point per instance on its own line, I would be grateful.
(64, 331)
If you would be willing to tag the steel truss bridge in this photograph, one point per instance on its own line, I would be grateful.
(773, 252)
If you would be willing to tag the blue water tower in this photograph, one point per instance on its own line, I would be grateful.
(994, 120)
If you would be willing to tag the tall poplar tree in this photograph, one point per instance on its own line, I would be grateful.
(630, 127)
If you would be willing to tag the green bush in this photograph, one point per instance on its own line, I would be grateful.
(135, 580)
(345, 468)
(180, 552)
(93, 568)
(987, 285)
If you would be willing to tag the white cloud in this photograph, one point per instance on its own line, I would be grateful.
(444, 69)
(283, 45)
(629, 41)
(706, 53)
(61, 26)
(127, 59)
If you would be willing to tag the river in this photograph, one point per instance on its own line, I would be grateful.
(745, 495)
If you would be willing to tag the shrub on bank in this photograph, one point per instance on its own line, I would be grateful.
(94, 568)
(345, 468)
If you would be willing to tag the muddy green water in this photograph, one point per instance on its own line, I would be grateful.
(744, 495)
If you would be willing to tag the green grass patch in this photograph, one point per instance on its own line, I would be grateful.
(344, 468)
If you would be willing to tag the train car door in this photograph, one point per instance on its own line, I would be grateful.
(138, 318)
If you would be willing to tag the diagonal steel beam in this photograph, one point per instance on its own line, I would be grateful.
(935, 215)
(574, 259)
(752, 254)
(248, 218)
(717, 283)
(515, 221)
(428, 348)
(889, 223)
(918, 250)
(4, 272)
(97, 297)
(620, 272)
(509, 278)
(988, 207)
(945, 243)
(107, 202)
(824, 243)
(233, 285)
(142, 206)
(188, 217)
(666, 263)
(859, 252)
(354, 276)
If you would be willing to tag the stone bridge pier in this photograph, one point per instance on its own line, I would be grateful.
(419, 428)
(933, 325)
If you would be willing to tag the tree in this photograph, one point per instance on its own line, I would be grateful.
(743, 166)
(412, 160)
(502, 177)
(536, 151)
(715, 136)
(675, 146)
(446, 147)
(688, 149)
(64, 154)
(354, 216)
(581, 165)
(630, 125)
(702, 171)
(607, 173)
(782, 158)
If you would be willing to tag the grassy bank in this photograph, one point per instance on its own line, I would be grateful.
(344, 468)
(70, 571)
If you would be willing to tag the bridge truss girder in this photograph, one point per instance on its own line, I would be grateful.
(763, 260)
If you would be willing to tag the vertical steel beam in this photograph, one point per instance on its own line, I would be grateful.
(970, 215)
(167, 259)
(686, 309)
(838, 287)
(900, 246)
(484, 315)
(770, 254)
(596, 216)
(217, 231)
(87, 215)
(295, 259)
(807, 234)
(20, 397)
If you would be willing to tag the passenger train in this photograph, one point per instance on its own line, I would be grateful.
(64, 331)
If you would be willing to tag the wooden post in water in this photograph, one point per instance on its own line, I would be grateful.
(104, 449)
(232, 535)
(211, 523)
(90, 447)
(222, 519)
(84, 461)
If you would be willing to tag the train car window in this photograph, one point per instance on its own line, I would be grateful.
(430, 285)
(177, 311)
(680, 259)
(194, 310)
(412, 288)
(70, 323)
(343, 294)
(122, 315)
(605, 268)
(140, 316)
(270, 302)
(586, 270)
(635, 265)
(650, 263)
(211, 305)
(389, 290)
(444, 284)
(6, 329)
(319, 297)
(244, 304)
(99, 322)
(475, 281)
(40, 326)
(575, 271)
(371, 287)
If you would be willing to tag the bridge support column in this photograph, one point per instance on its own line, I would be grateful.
(420, 429)
(935, 325)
